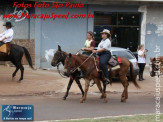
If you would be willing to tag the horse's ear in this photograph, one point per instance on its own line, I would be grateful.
(151, 59)
(59, 48)
(70, 55)
(154, 59)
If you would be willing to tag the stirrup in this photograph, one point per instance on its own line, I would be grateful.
(93, 84)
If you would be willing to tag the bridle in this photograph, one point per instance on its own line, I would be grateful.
(82, 63)
(155, 67)
(75, 68)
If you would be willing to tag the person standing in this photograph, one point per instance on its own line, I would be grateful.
(104, 53)
(141, 61)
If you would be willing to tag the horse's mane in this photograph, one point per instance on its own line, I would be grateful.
(82, 56)
(155, 59)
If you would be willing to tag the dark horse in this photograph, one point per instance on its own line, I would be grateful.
(60, 56)
(15, 56)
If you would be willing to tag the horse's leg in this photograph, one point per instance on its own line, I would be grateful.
(100, 89)
(87, 83)
(22, 71)
(125, 85)
(104, 90)
(79, 85)
(68, 88)
(16, 70)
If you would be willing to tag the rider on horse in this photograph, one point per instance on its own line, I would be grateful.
(104, 53)
(89, 44)
(7, 36)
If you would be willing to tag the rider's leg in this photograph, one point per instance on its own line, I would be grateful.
(103, 64)
(1, 43)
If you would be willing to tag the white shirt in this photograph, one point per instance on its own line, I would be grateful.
(141, 59)
(7, 34)
(106, 44)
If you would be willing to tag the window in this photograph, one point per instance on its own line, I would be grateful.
(124, 27)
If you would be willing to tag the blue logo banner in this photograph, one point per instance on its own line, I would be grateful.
(17, 112)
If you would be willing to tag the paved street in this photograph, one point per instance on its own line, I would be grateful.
(45, 89)
(54, 108)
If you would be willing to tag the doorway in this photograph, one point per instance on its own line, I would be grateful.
(124, 27)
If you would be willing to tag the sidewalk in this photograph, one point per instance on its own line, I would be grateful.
(49, 82)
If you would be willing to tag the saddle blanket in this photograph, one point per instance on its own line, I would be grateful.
(3, 48)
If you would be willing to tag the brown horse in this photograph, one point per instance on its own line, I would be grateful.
(156, 66)
(87, 65)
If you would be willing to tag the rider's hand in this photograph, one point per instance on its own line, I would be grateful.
(94, 51)
(83, 49)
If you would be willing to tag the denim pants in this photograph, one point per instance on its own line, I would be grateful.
(141, 67)
(104, 58)
(1, 43)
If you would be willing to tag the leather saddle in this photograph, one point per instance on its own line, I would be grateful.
(113, 62)
(5, 48)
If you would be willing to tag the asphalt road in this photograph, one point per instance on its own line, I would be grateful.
(52, 107)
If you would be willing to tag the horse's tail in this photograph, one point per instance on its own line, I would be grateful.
(132, 76)
(28, 57)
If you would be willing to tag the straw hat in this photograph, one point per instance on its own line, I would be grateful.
(106, 31)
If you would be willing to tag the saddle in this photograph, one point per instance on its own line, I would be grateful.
(5, 48)
(113, 62)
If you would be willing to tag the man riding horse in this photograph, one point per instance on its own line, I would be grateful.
(13, 52)
(7, 36)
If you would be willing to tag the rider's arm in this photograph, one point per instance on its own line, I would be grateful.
(9, 34)
(100, 50)
(2, 39)
(2, 34)
(89, 49)
(92, 46)
(105, 47)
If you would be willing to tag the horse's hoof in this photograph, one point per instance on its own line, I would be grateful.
(101, 97)
(19, 81)
(82, 100)
(13, 78)
(105, 100)
(123, 100)
(64, 98)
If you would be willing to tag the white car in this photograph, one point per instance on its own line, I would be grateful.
(127, 54)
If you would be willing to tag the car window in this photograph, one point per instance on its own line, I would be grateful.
(122, 53)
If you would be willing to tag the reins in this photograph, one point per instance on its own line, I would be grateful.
(81, 64)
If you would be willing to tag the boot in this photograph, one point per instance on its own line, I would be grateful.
(81, 74)
(140, 77)
(107, 81)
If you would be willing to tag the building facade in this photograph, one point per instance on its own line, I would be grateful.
(130, 23)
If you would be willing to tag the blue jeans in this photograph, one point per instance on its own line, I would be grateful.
(1, 43)
(104, 58)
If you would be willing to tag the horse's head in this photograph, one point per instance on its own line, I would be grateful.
(153, 67)
(69, 66)
(59, 56)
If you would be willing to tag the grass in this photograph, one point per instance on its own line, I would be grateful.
(136, 118)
